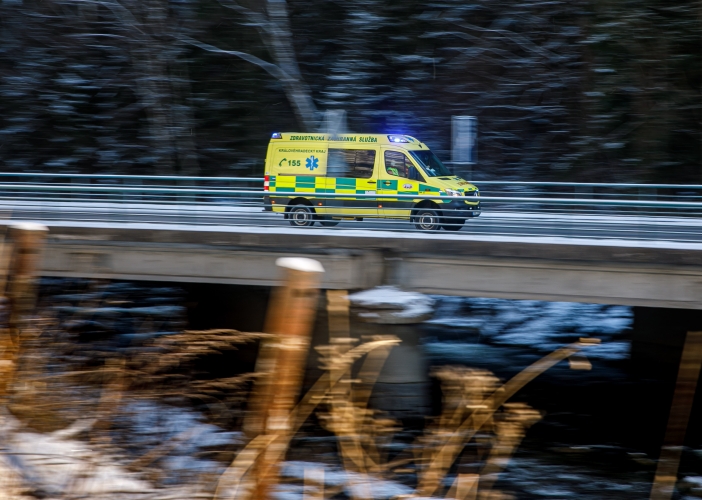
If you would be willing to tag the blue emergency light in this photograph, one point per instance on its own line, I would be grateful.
(397, 138)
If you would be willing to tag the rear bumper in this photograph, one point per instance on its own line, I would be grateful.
(267, 207)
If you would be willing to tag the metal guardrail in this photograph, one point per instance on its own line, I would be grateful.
(640, 211)
(547, 189)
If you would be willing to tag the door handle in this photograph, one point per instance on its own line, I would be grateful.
(371, 182)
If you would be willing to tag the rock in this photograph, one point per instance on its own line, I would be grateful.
(691, 485)
(390, 305)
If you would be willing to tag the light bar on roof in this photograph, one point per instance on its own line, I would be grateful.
(277, 135)
(397, 138)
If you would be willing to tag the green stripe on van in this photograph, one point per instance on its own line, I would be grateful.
(306, 185)
(345, 183)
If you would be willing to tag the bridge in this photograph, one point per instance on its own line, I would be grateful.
(557, 269)
(628, 244)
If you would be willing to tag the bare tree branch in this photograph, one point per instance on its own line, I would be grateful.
(119, 10)
(256, 19)
(269, 68)
(281, 46)
(517, 39)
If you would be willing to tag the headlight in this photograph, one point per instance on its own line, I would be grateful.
(452, 192)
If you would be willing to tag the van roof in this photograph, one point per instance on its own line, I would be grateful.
(405, 141)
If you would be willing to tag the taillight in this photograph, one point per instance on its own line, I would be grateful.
(266, 182)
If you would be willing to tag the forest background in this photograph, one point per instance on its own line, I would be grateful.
(577, 90)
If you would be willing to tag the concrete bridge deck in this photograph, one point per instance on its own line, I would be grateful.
(643, 273)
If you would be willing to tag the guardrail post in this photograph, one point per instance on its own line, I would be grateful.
(133, 195)
(75, 195)
(642, 197)
(585, 193)
(185, 198)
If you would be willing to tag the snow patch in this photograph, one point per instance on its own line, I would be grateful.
(302, 264)
(56, 465)
(389, 304)
(355, 485)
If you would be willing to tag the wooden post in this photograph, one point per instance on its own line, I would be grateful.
(338, 310)
(465, 487)
(281, 362)
(683, 397)
(314, 483)
(28, 240)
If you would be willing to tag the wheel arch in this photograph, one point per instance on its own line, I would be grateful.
(427, 204)
(298, 201)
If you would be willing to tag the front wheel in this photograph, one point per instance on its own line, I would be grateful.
(301, 216)
(426, 219)
(329, 222)
(453, 224)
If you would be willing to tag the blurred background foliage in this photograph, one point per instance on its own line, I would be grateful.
(581, 90)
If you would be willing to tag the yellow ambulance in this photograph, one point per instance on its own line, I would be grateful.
(377, 176)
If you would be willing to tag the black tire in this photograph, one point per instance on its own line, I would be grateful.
(426, 219)
(301, 216)
(329, 222)
(452, 224)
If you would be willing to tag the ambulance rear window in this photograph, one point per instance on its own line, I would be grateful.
(355, 163)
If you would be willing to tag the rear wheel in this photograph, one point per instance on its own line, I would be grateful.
(453, 223)
(301, 216)
(426, 219)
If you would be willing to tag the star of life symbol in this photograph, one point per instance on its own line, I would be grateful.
(312, 162)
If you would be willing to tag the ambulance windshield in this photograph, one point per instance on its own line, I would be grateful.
(430, 163)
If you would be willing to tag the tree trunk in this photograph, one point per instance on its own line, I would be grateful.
(280, 43)
(163, 88)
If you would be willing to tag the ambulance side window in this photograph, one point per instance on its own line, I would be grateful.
(398, 164)
(354, 163)
(365, 162)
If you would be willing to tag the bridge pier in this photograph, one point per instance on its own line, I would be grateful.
(210, 306)
(658, 339)
(403, 387)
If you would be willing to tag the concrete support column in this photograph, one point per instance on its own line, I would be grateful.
(403, 386)
(658, 339)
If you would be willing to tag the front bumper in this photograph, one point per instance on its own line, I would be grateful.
(458, 208)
